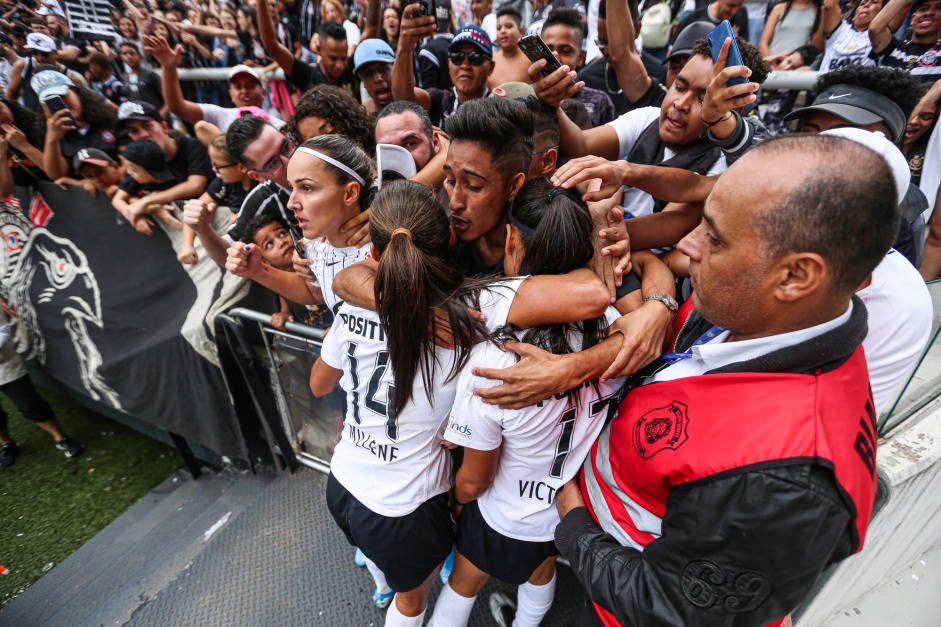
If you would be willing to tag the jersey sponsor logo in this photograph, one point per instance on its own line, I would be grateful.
(704, 584)
(361, 439)
(660, 429)
(457, 429)
(865, 445)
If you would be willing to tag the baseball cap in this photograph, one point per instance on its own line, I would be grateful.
(243, 69)
(683, 45)
(92, 156)
(40, 43)
(878, 143)
(857, 105)
(473, 34)
(50, 83)
(370, 51)
(514, 90)
(149, 156)
(137, 110)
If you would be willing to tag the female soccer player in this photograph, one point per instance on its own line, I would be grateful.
(389, 475)
(516, 461)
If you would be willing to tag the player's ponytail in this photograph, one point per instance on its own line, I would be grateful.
(555, 229)
(412, 234)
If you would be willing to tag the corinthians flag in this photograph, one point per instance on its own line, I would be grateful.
(113, 315)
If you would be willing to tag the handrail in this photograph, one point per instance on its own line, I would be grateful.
(310, 333)
(775, 80)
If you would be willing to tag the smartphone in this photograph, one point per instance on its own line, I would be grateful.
(56, 104)
(715, 39)
(296, 237)
(535, 48)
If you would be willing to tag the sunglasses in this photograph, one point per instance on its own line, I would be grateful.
(275, 164)
(475, 58)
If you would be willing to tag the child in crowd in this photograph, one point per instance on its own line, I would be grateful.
(102, 79)
(270, 234)
(98, 172)
(147, 172)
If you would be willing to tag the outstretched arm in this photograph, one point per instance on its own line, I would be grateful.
(880, 28)
(623, 54)
(268, 36)
(414, 28)
(170, 80)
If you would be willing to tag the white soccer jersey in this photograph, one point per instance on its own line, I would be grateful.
(846, 46)
(543, 446)
(392, 464)
(326, 261)
(495, 301)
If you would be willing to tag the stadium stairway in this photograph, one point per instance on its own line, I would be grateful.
(227, 549)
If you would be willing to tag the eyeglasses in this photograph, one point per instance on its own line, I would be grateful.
(601, 43)
(475, 58)
(223, 166)
(287, 149)
(539, 152)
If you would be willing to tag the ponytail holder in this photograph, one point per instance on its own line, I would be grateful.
(558, 191)
(403, 231)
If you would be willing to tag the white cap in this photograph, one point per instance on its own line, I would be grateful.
(878, 143)
(40, 43)
(390, 157)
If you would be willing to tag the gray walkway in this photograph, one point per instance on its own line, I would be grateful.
(284, 562)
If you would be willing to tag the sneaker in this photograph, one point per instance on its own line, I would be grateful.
(381, 600)
(70, 447)
(359, 559)
(446, 568)
(8, 454)
(503, 609)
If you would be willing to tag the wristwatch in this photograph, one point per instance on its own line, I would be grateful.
(666, 299)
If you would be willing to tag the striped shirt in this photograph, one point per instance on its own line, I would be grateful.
(326, 261)
(921, 60)
(847, 46)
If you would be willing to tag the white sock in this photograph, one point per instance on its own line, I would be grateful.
(532, 603)
(377, 576)
(451, 609)
(395, 618)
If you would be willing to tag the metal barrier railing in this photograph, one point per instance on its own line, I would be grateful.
(775, 80)
(312, 426)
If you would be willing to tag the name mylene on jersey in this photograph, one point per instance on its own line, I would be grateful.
(385, 452)
(363, 327)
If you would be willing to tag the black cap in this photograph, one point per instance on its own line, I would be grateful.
(858, 106)
(92, 156)
(683, 45)
(149, 156)
(137, 110)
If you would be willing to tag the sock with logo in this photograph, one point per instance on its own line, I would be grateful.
(532, 603)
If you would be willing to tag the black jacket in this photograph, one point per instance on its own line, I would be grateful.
(737, 549)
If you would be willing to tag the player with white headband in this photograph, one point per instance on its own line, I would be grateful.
(332, 183)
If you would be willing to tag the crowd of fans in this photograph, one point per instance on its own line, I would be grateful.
(602, 185)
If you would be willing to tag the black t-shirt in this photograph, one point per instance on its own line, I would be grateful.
(139, 190)
(432, 63)
(254, 49)
(600, 76)
(74, 42)
(305, 76)
(145, 86)
(191, 158)
(103, 139)
(230, 195)
(739, 21)
(465, 256)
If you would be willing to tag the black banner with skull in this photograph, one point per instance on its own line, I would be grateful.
(112, 314)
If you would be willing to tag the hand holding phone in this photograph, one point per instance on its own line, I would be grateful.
(535, 48)
(55, 104)
(715, 39)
